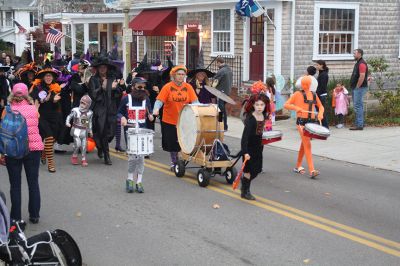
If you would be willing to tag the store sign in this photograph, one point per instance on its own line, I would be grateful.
(167, 48)
(112, 3)
(192, 25)
(138, 32)
(54, 24)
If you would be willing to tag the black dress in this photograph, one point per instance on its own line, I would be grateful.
(105, 107)
(252, 144)
(50, 120)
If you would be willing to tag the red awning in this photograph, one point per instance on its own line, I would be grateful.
(155, 22)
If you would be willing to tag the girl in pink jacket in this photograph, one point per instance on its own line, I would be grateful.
(21, 102)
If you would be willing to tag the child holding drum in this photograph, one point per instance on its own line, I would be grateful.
(139, 100)
(257, 111)
(304, 102)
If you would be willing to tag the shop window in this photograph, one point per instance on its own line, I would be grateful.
(155, 46)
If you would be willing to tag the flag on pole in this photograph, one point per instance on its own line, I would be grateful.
(249, 8)
(20, 27)
(54, 36)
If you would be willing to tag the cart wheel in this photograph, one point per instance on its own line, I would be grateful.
(203, 177)
(230, 174)
(179, 168)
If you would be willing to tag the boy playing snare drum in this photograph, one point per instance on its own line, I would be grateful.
(133, 110)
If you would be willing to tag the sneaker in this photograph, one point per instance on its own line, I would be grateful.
(129, 186)
(58, 148)
(74, 160)
(139, 188)
(84, 163)
(172, 167)
(339, 126)
(119, 149)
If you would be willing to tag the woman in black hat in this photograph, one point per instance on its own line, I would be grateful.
(199, 78)
(47, 96)
(106, 92)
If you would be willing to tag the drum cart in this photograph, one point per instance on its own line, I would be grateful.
(208, 167)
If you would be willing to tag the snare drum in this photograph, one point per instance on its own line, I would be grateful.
(140, 142)
(316, 131)
(271, 136)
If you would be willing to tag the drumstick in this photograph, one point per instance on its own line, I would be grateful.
(237, 179)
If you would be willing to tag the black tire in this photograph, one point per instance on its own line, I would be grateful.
(230, 175)
(179, 168)
(203, 177)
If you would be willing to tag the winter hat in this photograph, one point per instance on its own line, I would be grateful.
(306, 82)
(20, 89)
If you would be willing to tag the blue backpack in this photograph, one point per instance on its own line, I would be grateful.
(13, 135)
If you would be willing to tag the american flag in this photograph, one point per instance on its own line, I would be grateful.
(54, 36)
(20, 27)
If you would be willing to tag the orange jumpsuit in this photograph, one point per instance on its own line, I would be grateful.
(296, 103)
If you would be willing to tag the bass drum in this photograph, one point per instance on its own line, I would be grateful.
(198, 122)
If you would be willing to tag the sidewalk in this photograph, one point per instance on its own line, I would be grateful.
(374, 147)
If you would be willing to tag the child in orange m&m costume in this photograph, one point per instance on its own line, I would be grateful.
(304, 102)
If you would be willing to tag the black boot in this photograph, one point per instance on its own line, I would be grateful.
(107, 159)
(100, 153)
(249, 195)
(245, 189)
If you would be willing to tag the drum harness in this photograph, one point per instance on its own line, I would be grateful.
(302, 121)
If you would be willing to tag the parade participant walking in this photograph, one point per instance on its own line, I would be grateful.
(340, 102)
(4, 86)
(47, 96)
(27, 73)
(105, 92)
(322, 89)
(223, 81)
(359, 86)
(79, 82)
(173, 96)
(257, 110)
(22, 103)
(304, 102)
(200, 79)
(81, 128)
(137, 99)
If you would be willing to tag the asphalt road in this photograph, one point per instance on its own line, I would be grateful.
(349, 216)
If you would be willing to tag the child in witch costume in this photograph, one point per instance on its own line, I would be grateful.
(81, 128)
(257, 110)
(139, 100)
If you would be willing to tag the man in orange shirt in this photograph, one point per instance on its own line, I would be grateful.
(304, 102)
(173, 96)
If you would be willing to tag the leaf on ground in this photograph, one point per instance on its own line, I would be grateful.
(327, 194)
(287, 191)
(216, 206)
(78, 214)
(306, 261)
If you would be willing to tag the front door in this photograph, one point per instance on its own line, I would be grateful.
(192, 49)
(257, 48)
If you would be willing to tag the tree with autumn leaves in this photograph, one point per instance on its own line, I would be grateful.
(40, 46)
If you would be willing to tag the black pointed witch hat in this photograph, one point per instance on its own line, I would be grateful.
(200, 67)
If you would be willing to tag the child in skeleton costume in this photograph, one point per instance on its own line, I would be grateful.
(133, 109)
(81, 128)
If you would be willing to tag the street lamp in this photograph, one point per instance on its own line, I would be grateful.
(125, 6)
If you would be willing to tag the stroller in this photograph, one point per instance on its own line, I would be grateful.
(48, 248)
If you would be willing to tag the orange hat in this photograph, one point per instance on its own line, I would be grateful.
(306, 82)
(258, 87)
(177, 68)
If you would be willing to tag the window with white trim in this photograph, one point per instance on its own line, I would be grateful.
(33, 19)
(222, 42)
(336, 30)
